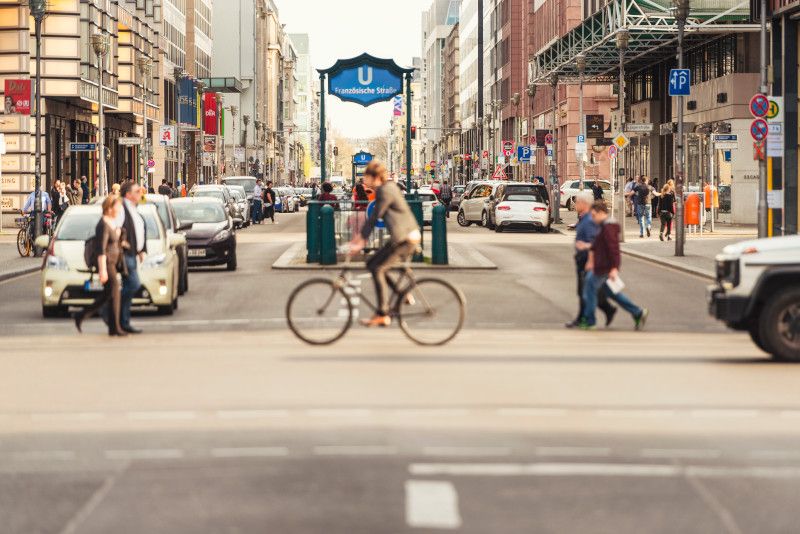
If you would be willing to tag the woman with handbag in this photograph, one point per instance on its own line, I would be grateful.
(108, 243)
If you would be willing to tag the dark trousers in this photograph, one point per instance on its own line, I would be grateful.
(269, 212)
(379, 265)
(130, 285)
(108, 304)
(256, 211)
(446, 204)
(602, 297)
(666, 222)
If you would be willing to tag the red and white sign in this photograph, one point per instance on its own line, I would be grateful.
(433, 164)
(467, 157)
(500, 173)
(166, 135)
(210, 122)
(612, 152)
(485, 154)
(548, 139)
(18, 97)
(508, 148)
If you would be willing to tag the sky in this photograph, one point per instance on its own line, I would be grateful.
(347, 28)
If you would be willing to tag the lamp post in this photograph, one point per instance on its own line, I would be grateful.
(681, 14)
(623, 38)
(580, 64)
(554, 160)
(145, 65)
(763, 207)
(178, 74)
(515, 98)
(220, 129)
(198, 145)
(38, 8)
(531, 92)
(234, 113)
(101, 45)
(246, 121)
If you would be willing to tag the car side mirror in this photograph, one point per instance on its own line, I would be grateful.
(183, 226)
(177, 240)
(43, 241)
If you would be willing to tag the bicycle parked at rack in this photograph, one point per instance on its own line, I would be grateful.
(430, 311)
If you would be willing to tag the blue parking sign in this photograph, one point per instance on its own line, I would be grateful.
(524, 154)
(680, 81)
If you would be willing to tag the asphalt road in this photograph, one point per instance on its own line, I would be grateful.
(217, 420)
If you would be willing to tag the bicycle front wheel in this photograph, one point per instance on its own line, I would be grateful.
(431, 312)
(23, 243)
(319, 312)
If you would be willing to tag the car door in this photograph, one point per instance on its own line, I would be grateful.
(494, 199)
(475, 203)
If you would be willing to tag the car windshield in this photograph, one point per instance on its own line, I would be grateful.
(212, 193)
(237, 194)
(248, 183)
(199, 212)
(459, 189)
(163, 214)
(150, 224)
(78, 226)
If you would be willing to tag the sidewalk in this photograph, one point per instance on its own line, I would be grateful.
(699, 250)
(11, 264)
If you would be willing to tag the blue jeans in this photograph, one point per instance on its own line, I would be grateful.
(644, 214)
(255, 211)
(130, 285)
(594, 283)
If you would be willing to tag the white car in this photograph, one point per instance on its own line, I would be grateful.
(571, 188)
(519, 205)
(64, 273)
(474, 204)
(429, 201)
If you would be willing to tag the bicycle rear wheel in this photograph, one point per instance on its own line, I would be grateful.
(23, 243)
(431, 312)
(319, 312)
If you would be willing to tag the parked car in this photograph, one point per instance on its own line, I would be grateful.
(285, 200)
(429, 201)
(173, 226)
(65, 273)
(458, 192)
(239, 195)
(248, 182)
(571, 188)
(212, 238)
(303, 194)
(223, 194)
(474, 204)
(520, 205)
(758, 291)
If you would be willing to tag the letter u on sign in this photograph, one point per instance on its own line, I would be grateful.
(365, 75)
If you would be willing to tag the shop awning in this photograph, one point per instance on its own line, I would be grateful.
(653, 36)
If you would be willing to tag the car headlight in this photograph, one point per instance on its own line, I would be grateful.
(222, 236)
(154, 262)
(56, 262)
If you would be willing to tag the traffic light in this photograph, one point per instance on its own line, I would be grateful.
(413, 132)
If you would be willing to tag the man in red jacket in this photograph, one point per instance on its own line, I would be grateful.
(602, 268)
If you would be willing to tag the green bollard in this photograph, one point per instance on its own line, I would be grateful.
(439, 236)
(312, 233)
(327, 236)
(416, 208)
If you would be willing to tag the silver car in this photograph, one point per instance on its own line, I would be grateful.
(240, 196)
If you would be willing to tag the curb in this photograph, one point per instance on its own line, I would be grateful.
(20, 272)
(671, 264)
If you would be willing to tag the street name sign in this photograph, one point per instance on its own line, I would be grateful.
(129, 141)
(726, 141)
(641, 127)
(83, 147)
(680, 81)
(365, 80)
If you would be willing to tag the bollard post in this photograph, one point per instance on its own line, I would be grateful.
(439, 236)
(416, 208)
(312, 233)
(327, 236)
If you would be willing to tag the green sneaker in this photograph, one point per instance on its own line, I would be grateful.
(642, 319)
(586, 326)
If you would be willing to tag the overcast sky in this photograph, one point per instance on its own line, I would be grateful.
(348, 28)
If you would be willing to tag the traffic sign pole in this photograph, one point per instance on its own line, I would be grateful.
(680, 231)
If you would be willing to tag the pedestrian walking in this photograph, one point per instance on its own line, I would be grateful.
(63, 201)
(164, 188)
(628, 193)
(585, 232)
(328, 196)
(269, 202)
(446, 196)
(642, 193)
(666, 211)
(597, 190)
(84, 190)
(135, 231)
(257, 210)
(655, 197)
(603, 267)
(107, 259)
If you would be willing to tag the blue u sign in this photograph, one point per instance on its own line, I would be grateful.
(362, 158)
(365, 79)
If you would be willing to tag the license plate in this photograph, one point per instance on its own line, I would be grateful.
(92, 286)
(197, 252)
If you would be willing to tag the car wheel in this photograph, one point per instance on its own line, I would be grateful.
(755, 335)
(485, 219)
(232, 263)
(462, 219)
(570, 204)
(779, 325)
(54, 312)
(183, 283)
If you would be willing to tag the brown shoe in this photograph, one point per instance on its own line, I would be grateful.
(378, 320)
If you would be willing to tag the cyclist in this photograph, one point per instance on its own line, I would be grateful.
(405, 236)
(47, 205)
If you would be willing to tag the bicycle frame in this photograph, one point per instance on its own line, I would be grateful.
(345, 281)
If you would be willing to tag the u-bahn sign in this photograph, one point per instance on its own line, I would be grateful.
(362, 158)
(365, 79)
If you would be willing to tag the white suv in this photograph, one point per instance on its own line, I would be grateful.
(571, 188)
(474, 205)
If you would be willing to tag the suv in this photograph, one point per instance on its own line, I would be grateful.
(571, 188)
(758, 290)
(474, 204)
(519, 204)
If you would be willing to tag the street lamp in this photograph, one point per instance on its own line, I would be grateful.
(220, 127)
(515, 98)
(623, 38)
(580, 64)
(199, 170)
(145, 65)
(246, 121)
(101, 45)
(178, 74)
(681, 14)
(531, 92)
(234, 113)
(38, 9)
(554, 160)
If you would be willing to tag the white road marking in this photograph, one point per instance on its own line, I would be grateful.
(634, 413)
(681, 453)
(355, 450)
(596, 469)
(599, 452)
(775, 455)
(43, 455)
(791, 414)
(465, 451)
(249, 452)
(95, 500)
(724, 413)
(432, 504)
(144, 454)
(251, 414)
(532, 412)
(432, 412)
(163, 416)
(76, 416)
(339, 412)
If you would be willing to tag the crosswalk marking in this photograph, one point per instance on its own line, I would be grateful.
(432, 504)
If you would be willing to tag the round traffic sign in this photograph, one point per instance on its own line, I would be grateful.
(151, 163)
(774, 109)
(612, 152)
(548, 139)
(759, 106)
(759, 129)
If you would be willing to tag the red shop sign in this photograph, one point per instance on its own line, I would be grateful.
(18, 97)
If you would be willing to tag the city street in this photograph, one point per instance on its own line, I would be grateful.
(218, 420)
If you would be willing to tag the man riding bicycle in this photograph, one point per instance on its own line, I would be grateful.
(404, 232)
(47, 205)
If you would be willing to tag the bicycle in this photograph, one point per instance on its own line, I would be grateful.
(26, 238)
(430, 311)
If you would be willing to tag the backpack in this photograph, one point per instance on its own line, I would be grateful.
(90, 253)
